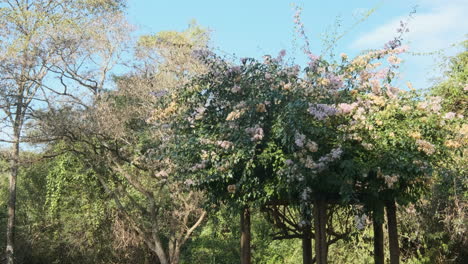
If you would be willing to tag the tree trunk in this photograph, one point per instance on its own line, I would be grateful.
(393, 233)
(156, 244)
(10, 246)
(245, 236)
(307, 245)
(320, 223)
(377, 217)
(176, 255)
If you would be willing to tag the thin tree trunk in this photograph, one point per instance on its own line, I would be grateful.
(307, 245)
(377, 219)
(320, 223)
(393, 233)
(160, 252)
(176, 255)
(158, 247)
(245, 236)
(10, 247)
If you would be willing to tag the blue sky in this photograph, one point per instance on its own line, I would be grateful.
(258, 27)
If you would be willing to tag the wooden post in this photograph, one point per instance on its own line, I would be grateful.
(307, 244)
(377, 222)
(320, 223)
(393, 233)
(245, 236)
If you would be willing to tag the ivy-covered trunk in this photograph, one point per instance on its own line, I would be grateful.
(320, 224)
(393, 233)
(377, 222)
(307, 245)
(245, 236)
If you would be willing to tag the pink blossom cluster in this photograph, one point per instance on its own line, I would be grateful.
(433, 104)
(390, 180)
(235, 89)
(224, 144)
(234, 70)
(255, 132)
(322, 111)
(335, 81)
(394, 60)
(323, 162)
(189, 182)
(299, 139)
(425, 146)
(301, 30)
(345, 108)
(199, 166)
(197, 114)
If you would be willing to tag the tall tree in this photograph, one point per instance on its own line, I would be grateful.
(127, 137)
(36, 38)
(447, 203)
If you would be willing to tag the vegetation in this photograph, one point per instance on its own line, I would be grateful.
(190, 157)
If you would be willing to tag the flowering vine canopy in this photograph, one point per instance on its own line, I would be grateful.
(263, 131)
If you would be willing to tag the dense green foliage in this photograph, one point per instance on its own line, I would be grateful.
(156, 166)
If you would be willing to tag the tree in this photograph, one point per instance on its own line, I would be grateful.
(442, 211)
(126, 136)
(261, 134)
(38, 37)
(338, 134)
(398, 139)
(217, 110)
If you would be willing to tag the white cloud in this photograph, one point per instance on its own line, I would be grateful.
(443, 25)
